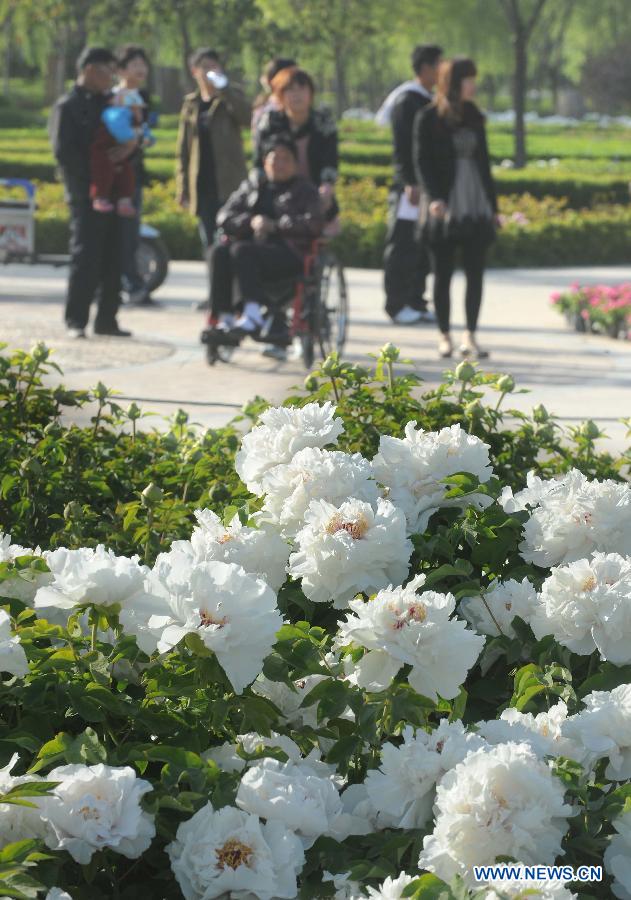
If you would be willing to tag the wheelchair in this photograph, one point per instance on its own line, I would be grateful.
(314, 308)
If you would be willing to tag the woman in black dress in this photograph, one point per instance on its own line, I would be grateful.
(458, 205)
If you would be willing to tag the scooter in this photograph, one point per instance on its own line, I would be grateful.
(17, 238)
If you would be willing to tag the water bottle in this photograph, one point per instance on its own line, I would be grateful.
(218, 79)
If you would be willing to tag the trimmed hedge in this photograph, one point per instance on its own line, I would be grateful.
(536, 233)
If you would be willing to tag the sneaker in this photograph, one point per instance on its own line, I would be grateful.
(75, 333)
(427, 317)
(273, 351)
(407, 316)
(126, 208)
(102, 205)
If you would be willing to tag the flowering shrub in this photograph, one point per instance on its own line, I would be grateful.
(387, 655)
(599, 308)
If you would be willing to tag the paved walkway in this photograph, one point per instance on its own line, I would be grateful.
(575, 376)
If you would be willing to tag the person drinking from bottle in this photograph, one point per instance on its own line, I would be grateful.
(210, 162)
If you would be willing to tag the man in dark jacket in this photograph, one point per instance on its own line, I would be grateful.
(95, 265)
(268, 226)
(406, 263)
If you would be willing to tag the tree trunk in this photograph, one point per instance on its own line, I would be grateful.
(185, 38)
(6, 63)
(520, 82)
(341, 90)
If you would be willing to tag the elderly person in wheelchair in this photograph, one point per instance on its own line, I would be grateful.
(267, 228)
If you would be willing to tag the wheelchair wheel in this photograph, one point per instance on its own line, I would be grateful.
(216, 353)
(211, 354)
(331, 310)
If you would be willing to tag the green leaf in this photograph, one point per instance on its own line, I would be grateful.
(17, 794)
(458, 706)
(429, 887)
(331, 695)
(258, 715)
(18, 851)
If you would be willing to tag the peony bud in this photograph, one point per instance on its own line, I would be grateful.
(389, 352)
(589, 430)
(151, 495)
(465, 371)
(540, 414)
(506, 384)
(73, 510)
(473, 409)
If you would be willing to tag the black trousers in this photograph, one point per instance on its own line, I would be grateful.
(406, 264)
(253, 264)
(443, 254)
(130, 241)
(95, 263)
(207, 208)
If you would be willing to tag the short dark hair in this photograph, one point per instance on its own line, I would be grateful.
(282, 139)
(290, 76)
(91, 56)
(276, 65)
(195, 59)
(129, 52)
(425, 55)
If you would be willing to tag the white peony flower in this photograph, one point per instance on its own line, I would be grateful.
(228, 759)
(617, 857)
(88, 576)
(586, 605)
(532, 495)
(229, 853)
(575, 517)
(498, 802)
(12, 656)
(97, 807)
(402, 790)
(284, 430)
(603, 729)
(299, 797)
(545, 732)
(411, 468)
(350, 548)
(288, 701)
(314, 474)
(18, 823)
(261, 551)
(24, 585)
(150, 613)
(56, 893)
(401, 626)
(345, 889)
(234, 614)
(392, 888)
(501, 603)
